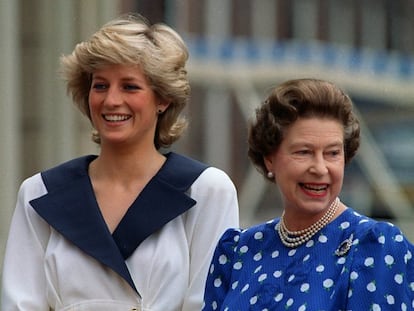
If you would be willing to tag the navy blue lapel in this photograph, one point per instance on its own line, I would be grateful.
(162, 200)
(70, 207)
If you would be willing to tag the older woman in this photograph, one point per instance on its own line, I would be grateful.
(131, 228)
(320, 254)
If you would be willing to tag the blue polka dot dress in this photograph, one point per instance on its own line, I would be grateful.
(354, 263)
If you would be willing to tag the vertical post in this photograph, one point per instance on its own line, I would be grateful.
(217, 132)
(10, 115)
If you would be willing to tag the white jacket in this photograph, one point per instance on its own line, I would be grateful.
(60, 254)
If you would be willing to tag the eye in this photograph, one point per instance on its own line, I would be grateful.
(131, 87)
(303, 152)
(99, 86)
(334, 153)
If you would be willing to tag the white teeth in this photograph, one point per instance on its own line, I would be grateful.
(316, 188)
(115, 117)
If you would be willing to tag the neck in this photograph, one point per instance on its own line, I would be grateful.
(126, 166)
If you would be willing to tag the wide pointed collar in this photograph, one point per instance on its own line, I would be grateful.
(70, 207)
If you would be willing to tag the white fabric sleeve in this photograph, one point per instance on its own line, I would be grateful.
(23, 284)
(216, 210)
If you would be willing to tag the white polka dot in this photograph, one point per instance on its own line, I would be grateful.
(292, 252)
(214, 305)
(258, 269)
(306, 258)
(244, 249)
(398, 278)
(279, 297)
(389, 260)
(328, 283)
(253, 300)
(223, 259)
(246, 287)
(320, 268)
(257, 257)
(302, 308)
(258, 235)
(211, 268)
(323, 238)
(217, 282)
(310, 243)
(353, 276)
(277, 274)
(369, 262)
(289, 302)
(341, 260)
(399, 238)
(345, 225)
(390, 299)
(304, 287)
(403, 307)
(381, 239)
(238, 265)
(275, 254)
(376, 307)
(291, 278)
(262, 277)
(234, 285)
(371, 287)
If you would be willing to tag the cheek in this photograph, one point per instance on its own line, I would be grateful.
(338, 173)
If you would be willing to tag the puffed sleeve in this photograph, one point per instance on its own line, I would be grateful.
(23, 284)
(219, 276)
(216, 210)
(382, 274)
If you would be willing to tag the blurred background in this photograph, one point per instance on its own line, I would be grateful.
(239, 49)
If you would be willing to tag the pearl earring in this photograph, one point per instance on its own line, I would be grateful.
(270, 175)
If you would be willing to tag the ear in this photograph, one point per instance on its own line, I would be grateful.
(163, 105)
(268, 161)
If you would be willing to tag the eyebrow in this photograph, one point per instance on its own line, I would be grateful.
(307, 144)
(123, 79)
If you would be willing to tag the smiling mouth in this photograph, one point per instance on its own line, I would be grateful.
(314, 188)
(116, 117)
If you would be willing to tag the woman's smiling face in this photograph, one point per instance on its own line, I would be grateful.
(309, 165)
(123, 105)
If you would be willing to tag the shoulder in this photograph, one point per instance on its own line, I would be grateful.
(381, 236)
(370, 229)
(32, 187)
(39, 183)
(59, 175)
(245, 239)
(214, 177)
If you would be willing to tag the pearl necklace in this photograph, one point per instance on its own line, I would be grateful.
(294, 239)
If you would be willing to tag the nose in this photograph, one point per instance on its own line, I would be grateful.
(113, 97)
(318, 165)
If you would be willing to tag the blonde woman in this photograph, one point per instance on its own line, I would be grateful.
(130, 228)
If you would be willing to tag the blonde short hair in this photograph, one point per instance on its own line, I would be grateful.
(131, 40)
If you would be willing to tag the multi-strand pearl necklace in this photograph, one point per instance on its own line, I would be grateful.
(296, 238)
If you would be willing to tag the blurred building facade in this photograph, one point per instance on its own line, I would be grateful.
(238, 50)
